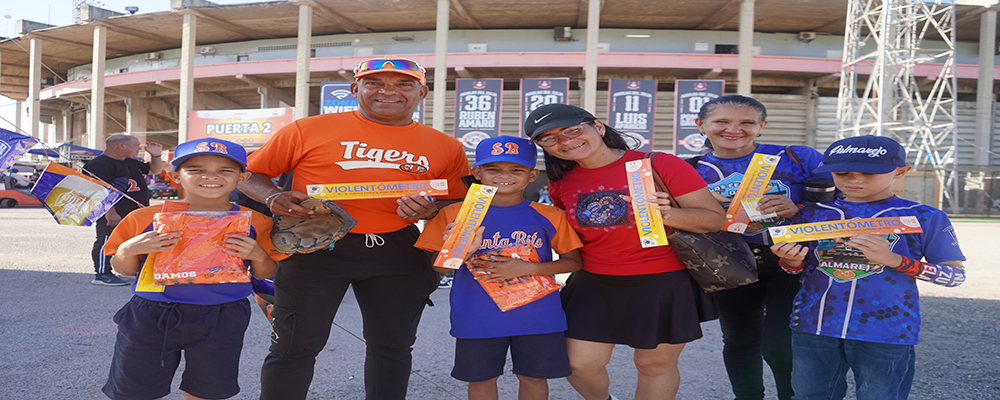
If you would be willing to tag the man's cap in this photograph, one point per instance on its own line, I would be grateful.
(555, 116)
(506, 148)
(209, 146)
(399, 65)
(865, 154)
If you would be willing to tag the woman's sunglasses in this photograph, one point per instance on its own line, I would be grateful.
(571, 132)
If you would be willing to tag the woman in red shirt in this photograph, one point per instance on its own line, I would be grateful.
(625, 294)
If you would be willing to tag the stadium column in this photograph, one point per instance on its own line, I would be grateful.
(441, 63)
(34, 87)
(186, 102)
(744, 73)
(95, 129)
(590, 68)
(984, 90)
(137, 116)
(304, 49)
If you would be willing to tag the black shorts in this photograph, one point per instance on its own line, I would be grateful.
(151, 335)
(535, 356)
(641, 311)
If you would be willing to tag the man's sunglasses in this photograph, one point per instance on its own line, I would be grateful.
(396, 64)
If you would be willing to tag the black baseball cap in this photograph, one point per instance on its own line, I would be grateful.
(554, 116)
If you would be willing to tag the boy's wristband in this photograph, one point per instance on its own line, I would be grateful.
(783, 265)
(910, 266)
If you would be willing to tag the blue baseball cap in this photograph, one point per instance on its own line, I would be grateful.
(506, 148)
(208, 146)
(865, 154)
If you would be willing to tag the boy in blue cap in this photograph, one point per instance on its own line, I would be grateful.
(534, 332)
(205, 321)
(858, 307)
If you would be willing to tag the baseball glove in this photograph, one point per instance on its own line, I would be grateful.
(302, 236)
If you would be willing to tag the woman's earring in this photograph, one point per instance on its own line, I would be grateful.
(703, 133)
(758, 134)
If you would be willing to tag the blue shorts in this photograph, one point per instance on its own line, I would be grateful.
(151, 335)
(535, 356)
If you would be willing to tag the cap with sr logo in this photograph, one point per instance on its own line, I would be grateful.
(865, 154)
(552, 116)
(506, 148)
(209, 146)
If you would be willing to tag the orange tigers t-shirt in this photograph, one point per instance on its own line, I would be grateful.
(347, 148)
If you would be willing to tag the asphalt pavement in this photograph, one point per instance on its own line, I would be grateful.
(58, 337)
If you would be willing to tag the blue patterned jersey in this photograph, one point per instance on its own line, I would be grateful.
(846, 296)
(723, 176)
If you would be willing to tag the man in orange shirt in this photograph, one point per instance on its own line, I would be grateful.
(392, 280)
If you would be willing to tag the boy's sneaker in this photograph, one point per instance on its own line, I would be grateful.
(445, 282)
(109, 280)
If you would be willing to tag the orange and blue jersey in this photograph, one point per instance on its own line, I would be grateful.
(474, 315)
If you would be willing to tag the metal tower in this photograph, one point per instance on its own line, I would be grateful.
(910, 93)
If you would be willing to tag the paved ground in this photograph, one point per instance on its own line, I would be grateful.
(58, 335)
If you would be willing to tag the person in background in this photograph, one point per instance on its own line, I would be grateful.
(754, 318)
(391, 279)
(625, 294)
(118, 167)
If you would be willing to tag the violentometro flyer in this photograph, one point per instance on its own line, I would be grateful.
(844, 228)
(754, 184)
(470, 216)
(378, 190)
(648, 220)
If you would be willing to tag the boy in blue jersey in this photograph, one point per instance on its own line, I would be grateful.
(534, 332)
(858, 307)
(206, 321)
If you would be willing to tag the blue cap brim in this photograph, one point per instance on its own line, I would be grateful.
(514, 160)
(176, 163)
(856, 167)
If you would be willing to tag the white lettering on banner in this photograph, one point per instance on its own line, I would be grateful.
(358, 155)
(630, 121)
(873, 153)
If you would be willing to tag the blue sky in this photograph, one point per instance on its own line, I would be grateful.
(59, 12)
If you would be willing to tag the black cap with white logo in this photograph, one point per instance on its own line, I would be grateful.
(554, 116)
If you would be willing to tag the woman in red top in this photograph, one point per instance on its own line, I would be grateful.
(625, 294)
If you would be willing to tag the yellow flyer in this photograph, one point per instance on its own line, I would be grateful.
(470, 216)
(377, 190)
(844, 228)
(146, 282)
(648, 220)
(754, 184)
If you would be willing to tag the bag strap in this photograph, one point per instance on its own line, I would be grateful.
(660, 186)
(795, 157)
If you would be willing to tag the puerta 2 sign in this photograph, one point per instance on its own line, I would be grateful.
(537, 92)
(477, 111)
(631, 111)
(336, 97)
(689, 96)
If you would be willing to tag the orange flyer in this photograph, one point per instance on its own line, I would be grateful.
(199, 257)
(516, 292)
(844, 228)
(470, 216)
(378, 190)
(754, 184)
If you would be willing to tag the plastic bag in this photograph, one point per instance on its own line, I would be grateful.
(516, 292)
(199, 257)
